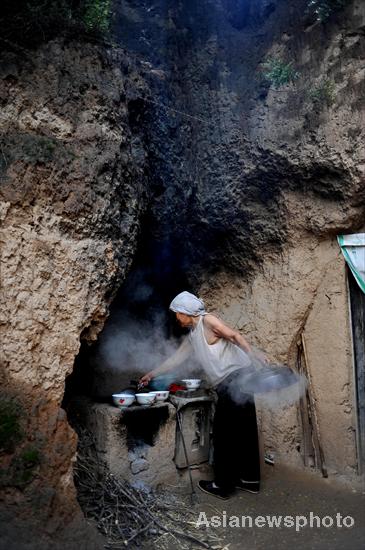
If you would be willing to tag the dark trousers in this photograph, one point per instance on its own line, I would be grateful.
(235, 438)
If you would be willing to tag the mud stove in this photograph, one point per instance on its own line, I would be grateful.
(145, 444)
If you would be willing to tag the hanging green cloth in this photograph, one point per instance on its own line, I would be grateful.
(353, 249)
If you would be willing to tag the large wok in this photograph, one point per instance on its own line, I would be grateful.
(267, 379)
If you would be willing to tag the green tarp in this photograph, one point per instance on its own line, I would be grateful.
(353, 249)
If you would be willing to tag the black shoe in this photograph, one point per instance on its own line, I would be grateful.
(207, 487)
(249, 486)
(269, 459)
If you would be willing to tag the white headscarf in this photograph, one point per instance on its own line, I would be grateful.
(187, 303)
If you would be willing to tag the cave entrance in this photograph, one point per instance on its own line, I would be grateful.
(137, 443)
(140, 332)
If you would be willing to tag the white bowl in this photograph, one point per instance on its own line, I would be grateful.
(123, 399)
(192, 383)
(161, 395)
(145, 398)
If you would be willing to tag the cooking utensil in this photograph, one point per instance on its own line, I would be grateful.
(267, 378)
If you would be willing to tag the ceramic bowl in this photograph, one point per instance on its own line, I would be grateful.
(123, 399)
(145, 398)
(192, 383)
(161, 395)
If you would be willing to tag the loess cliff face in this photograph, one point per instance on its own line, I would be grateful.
(243, 185)
(73, 189)
(229, 166)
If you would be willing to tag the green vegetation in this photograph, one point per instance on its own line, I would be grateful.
(11, 432)
(96, 16)
(279, 73)
(323, 93)
(22, 468)
(38, 149)
(30, 457)
(22, 459)
(323, 9)
(32, 149)
(28, 23)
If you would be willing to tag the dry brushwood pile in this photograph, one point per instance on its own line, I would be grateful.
(131, 517)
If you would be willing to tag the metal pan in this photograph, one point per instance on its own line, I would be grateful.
(268, 378)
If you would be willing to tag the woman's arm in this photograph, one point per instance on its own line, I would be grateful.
(221, 330)
(182, 353)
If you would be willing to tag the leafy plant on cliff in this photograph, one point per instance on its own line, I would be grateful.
(22, 468)
(11, 432)
(96, 15)
(323, 9)
(30, 22)
(32, 149)
(38, 149)
(20, 459)
(323, 93)
(279, 73)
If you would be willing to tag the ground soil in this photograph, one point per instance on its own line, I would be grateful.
(288, 492)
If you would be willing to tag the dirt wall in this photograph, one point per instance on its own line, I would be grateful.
(304, 292)
(72, 194)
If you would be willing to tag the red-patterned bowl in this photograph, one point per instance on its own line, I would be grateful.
(123, 399)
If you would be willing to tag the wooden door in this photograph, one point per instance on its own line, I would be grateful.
(357, 304)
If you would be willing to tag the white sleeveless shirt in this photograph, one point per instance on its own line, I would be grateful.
(218, 360)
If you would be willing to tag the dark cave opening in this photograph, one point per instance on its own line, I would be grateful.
(138, 335)
(139, 318)
(143, 425)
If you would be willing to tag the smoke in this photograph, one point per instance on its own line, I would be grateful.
(281, 398)
(275, 385)
(136, 340)
(133, 345)
(139, 335)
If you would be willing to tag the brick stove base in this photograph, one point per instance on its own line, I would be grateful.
(136, 443)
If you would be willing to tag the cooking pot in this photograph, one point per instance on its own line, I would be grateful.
(267, 378)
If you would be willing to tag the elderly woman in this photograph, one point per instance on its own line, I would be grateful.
(222, 353)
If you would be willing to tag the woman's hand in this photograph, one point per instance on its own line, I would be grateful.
(262, 356)
(145, 380)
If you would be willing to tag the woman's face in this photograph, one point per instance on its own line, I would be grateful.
(184, 320)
